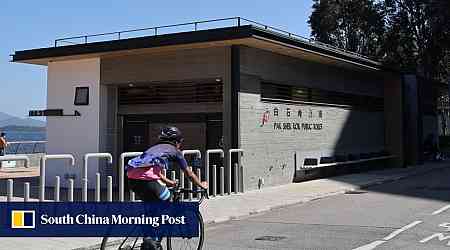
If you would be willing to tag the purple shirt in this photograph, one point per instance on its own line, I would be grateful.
(149, 165)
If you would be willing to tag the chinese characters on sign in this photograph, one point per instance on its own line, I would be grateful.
(293, 114)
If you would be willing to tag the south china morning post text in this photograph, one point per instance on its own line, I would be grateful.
(114, 219)
(99, 219)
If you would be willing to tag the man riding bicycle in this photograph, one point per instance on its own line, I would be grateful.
(145, 172)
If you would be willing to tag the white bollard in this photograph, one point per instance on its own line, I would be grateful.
(214, 180)
(110, 191)
(234, 150)
(10, 190)
(208, 153)
(57, 188)
(107, 156)
(26, 191)
(97, 187)
(70, 191)
(122, 172)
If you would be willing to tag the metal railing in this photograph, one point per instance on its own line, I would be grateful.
(42, 172)
(214, 178)
(27, 147)
(195, 26)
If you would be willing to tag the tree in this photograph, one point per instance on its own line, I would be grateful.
(412, 35)
(354, 25)
(418, 37)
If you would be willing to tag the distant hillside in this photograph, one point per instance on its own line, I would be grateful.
(9, 120)
(23, 129)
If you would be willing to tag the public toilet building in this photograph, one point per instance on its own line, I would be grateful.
(279, 97)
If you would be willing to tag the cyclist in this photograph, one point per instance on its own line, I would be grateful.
(145, 175)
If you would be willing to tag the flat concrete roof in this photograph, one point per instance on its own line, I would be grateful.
(249, 35)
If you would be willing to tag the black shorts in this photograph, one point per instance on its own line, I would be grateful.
(149, 190)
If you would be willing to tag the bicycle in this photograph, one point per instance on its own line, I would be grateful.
(195, 243)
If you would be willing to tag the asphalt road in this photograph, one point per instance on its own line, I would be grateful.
(413, 213)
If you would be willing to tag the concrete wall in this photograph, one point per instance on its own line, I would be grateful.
(393, 118)
(170, 66)
(270, 150)
(167, 67)
(69, 134)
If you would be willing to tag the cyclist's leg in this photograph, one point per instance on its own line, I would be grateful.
(150, 191)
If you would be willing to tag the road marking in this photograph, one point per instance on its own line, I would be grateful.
(371, 245)
(441, 210)
(398, 231)
(374, 244)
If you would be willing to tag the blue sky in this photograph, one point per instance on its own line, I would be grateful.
(35, 24)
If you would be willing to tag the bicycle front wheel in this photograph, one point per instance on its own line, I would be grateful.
(195, 243)
(123, 243)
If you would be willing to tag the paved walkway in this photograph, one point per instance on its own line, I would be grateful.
(220, 209)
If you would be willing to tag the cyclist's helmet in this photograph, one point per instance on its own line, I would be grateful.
(171, 134)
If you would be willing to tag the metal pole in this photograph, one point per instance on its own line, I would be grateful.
(173, 175)
(10, 190)
(241, 178)
(132, 196)
(190, 187)
(221, 180)
(85, 169)
(109, 191)
(122, 173)
(236, 178)
(42, 179)
(26, 191)
(214, 180)
(233, 150)
(199, 174)
(97, 187)
(70, 193)
(182, 183)
(57, 188)
(208, 153)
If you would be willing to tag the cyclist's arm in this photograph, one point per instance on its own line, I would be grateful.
(187, 171)
(194, 178)
(169, 182)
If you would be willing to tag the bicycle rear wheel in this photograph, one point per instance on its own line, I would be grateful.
(195, 243)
